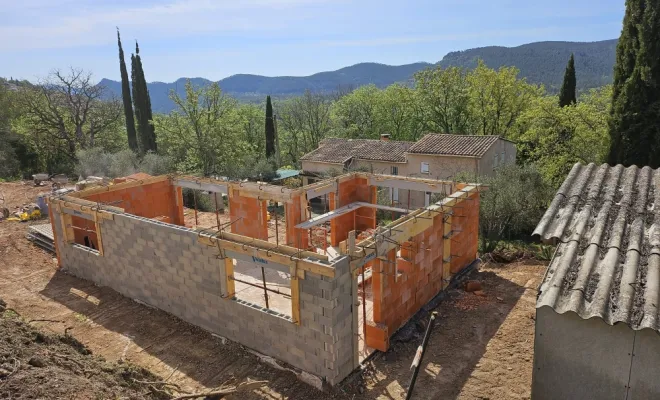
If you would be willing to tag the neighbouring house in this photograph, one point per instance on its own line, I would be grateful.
(435, 156)
(597, 319)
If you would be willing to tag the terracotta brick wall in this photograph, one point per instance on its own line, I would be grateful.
(401, 289)
(350, 191)
(248, 216)
(465, 243)
(295, 237)
(399, 294)
(155, 200)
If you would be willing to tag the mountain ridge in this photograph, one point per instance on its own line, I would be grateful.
(539, 62)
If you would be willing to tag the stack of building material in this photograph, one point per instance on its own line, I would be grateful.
(42, 236)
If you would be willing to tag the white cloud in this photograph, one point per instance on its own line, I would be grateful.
(43, 24)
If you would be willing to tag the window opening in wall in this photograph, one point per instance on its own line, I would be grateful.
(264, 287)
(84, 232)
(395, 170)
(204, 210)
(425, 168)
(427, 199)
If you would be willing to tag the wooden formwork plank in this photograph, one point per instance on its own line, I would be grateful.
(229, 276)
(295, 298)
(446, 252)
(99, 237)
(262, 252)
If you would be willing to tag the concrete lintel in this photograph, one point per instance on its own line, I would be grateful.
(344, 210)
(217, 187)
(411, 184)
(329, 187)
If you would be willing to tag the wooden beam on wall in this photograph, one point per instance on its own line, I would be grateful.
(263, 251)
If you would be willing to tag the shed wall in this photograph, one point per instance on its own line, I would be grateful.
(576, 358)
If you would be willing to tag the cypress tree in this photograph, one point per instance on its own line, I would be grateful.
(126, 97)
(567, 93)
(635, 112)
(142, 104)
(270, 129)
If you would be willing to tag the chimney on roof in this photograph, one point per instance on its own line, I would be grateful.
(385, 137)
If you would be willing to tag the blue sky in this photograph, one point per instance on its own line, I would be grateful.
(217, 38)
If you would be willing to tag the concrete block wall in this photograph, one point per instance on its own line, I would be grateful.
(165, 266)
(248, 215)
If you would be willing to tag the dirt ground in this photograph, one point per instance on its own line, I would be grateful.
(481, 347)
(37, 365)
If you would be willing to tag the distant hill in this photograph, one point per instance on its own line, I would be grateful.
(545, 62)
(540, 62)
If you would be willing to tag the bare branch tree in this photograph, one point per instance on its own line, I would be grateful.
(70, 109)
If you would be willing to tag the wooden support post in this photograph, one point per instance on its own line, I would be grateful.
(277, 235)
(364, 305)
(446, 252)
(195, 206)
(99, 239)
(229, 276)
(263, 277)
(217, 217)
(67, 227)
(295, 295)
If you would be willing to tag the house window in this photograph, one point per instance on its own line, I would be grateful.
(495, 160)
(427, 199)
(395, 171)
(425, 168)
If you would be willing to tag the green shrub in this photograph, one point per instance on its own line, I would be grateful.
(516, 199)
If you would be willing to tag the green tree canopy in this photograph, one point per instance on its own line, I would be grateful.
(634, 128)
(567, 92)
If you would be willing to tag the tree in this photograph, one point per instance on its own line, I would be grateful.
(305, 121)
(142, 104)
(567, 93)
(634, 128)
(543, 138)
(126, 97)
(270, 129)
(497, 99)
(443, 100)
(356, 113)
(65, 113)
(202, 133)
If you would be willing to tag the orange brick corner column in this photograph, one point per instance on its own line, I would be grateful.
(248, 215)
(465, 241)
(295, 237)
(350, 191)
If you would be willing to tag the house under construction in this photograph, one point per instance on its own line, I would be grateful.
(324, 294)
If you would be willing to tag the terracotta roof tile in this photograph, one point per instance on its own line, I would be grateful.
(456, 145)
(339, 150)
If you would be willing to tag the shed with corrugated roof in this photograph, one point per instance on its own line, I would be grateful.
(597, 323)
